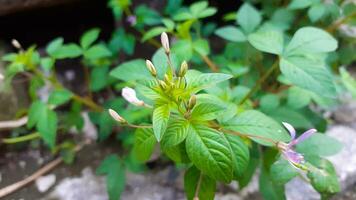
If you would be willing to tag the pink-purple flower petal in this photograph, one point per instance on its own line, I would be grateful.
(304, 136)
(290, 129)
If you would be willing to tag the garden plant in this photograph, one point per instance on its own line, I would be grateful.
(222, 101)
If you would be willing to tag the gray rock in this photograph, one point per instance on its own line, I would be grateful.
(86, 187)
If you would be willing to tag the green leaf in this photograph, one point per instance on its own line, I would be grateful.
(299, 4)
(210, 152)
(67, 51)
(144, 144)
(284, 114)
(176, 153)
(59, 97)
(99, 78)
(267, 41)
(198, 7)
(348, 81)
(89, 38)
(97, 51)
(206, 111)
(183, 49)
(241, 155)
(269, 102)
(207, 12)
(320, 144)
(47, 63)
(153, 33)
(207, 185)
(201, 46)
(45, 121)
(282, 171)
(323, 177)
(34, 113)
(47, 126)
(231, 33)
(160, 120)
(309, 74)
(252, 122)
(182, 16)
(168, 23)
(268, 189)
(131, 71)
(114, 170)
(176, 132)
(298, 97)
(253, 163)
(203, 81)
(54, 45)
(310, 40)
(248, 17)
(316, 12)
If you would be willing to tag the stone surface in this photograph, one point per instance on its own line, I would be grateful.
(43, 183)
(86, 187)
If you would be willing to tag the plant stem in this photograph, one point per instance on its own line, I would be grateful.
(88, 102)
(213, 67)
(21, 138)
(260, 81)
(250, 136)
(196, 195)
(338, 23)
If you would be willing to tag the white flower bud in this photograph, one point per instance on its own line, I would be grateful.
(1, 76)
(165, 42)
(183, 69)
(16, 44)
(151, 68)
(116, 116)
(130, 95)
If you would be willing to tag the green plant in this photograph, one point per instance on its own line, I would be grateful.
(221, 119)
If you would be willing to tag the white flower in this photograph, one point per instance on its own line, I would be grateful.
(165, 42)
(16, 44)
(130, 95)
(1, 76)
(116, 116)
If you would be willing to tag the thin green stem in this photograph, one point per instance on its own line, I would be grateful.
(21, 138)
(260, 81)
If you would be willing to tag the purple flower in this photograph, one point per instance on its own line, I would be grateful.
(131, 20)
(294, 158)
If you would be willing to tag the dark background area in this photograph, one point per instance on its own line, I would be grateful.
(39, 24)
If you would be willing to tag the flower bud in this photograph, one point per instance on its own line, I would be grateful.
(165, 42)
(181, 82)
(1, 76)
(116, 116)
(192, 102)
(151, 68)
(163, 84)
(183, 69)
(167, 79)
(16, 44)
(129, 95)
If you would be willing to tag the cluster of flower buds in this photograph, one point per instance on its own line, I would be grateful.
(116, 116)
